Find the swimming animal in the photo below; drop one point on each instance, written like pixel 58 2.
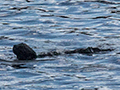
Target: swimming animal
pixel 24 52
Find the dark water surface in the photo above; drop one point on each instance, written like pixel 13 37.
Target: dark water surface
pixel 47 25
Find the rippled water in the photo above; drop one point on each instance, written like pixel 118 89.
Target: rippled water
pixel 47 25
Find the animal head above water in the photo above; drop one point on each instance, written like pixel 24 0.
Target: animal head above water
pixel 24 52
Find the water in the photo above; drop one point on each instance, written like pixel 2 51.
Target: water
pixel 47 25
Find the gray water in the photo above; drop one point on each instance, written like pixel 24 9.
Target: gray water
pixel 47 25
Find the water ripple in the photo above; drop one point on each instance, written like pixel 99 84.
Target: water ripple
pixel 47 25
